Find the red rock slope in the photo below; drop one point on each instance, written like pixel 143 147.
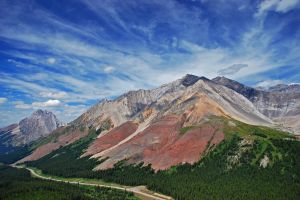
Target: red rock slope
pixel 65 136
pixel 163 145
pixel 112 138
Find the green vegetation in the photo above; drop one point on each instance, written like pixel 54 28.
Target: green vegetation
pixel 106 125
pixel 15 154
pixel 54 136
pixel 183 130
pixel 229 171
pixel 66 161
pixel 17 184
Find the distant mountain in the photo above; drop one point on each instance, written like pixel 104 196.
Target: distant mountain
pixel 280 103
pixel 40 124
pixel 285 88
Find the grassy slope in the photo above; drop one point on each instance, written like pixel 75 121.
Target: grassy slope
pixel 210 178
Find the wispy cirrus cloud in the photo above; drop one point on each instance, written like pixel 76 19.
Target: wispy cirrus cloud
pixel 269 83
pixel 277 5
pixel 2 100
pixel 49 51
pixel 232 69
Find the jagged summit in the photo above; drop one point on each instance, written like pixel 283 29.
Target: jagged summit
pixel 246 91
pixel 40 112
pixel 190 79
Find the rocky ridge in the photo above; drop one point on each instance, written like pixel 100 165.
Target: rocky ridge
pixel 280 103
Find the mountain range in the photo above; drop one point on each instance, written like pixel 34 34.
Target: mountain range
pixel 156 126
pixel 204 139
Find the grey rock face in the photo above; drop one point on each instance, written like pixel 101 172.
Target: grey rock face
pixel 280 103
pixel 40 123
pixel 248 92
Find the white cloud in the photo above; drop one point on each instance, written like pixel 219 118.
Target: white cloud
pixel 269 83
pixel 109 69
pixel 22 105
pixel 282 6
pixel 49 103
pixel 34 105
pixel 232 69
pixel 286 5
pixel 2 100
pixel 73 62
pixel 51 61
pixel 55 95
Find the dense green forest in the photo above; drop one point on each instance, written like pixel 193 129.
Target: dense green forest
pixel 10 154
pixel 17 184
pixel 15 154
pixel 216 176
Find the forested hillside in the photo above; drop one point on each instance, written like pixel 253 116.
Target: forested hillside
pixel 17 184
pixel 232 170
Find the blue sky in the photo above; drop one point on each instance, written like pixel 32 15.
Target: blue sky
pixel 66 55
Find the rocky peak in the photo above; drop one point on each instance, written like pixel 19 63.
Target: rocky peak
pixel 244 90
pixel 222 80
pixel 40 112
pixel 42 115
pixel 190 79
pixel 39 124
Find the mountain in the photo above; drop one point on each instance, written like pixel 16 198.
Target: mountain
pixel 38 124
pixel 215 136
pixel 280 103
pixel 150 126
pixel 135 104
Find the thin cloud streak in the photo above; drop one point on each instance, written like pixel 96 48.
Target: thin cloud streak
pixel 114 47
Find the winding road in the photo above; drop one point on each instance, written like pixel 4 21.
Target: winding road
pixel 140 191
